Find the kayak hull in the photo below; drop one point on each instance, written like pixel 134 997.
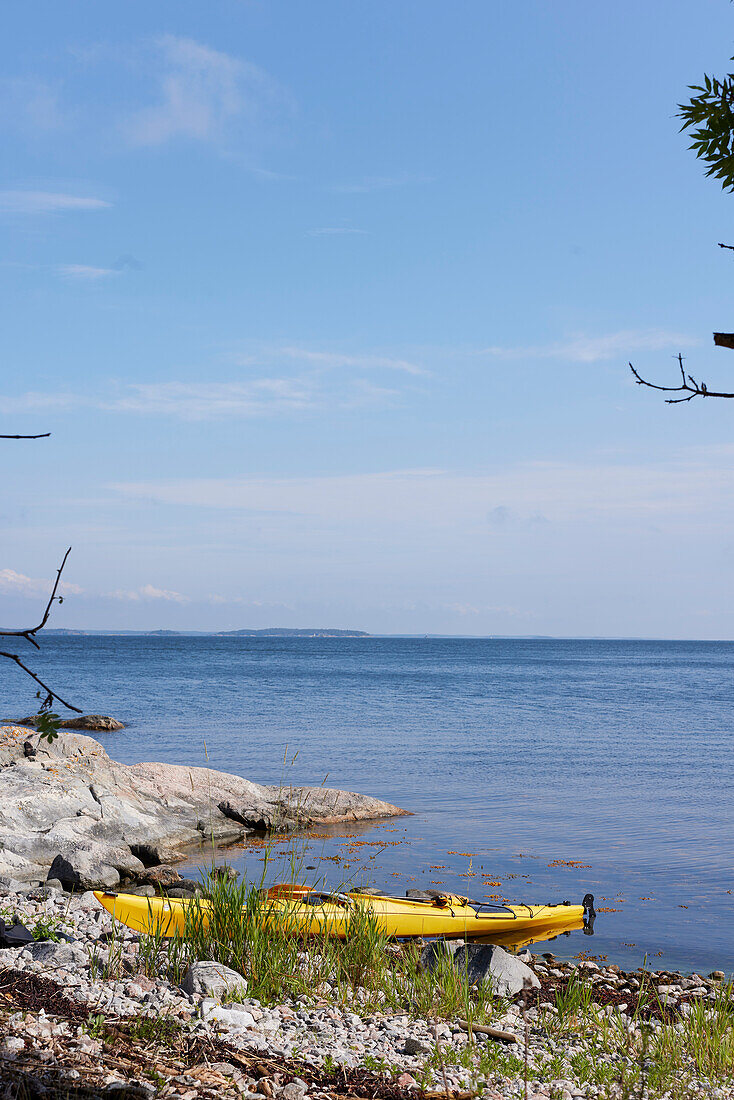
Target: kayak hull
pixel 396 917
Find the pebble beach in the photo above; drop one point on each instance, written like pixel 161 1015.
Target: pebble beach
pixel 95 973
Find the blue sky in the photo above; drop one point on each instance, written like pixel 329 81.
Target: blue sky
pixel 328 308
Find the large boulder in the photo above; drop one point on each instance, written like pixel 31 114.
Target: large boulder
pixel 482 962
pixel 84 722
pixel 93 722
pixel 83 871
pixel 70 812
pixel 485 962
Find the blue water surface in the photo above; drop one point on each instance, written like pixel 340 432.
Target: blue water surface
pixel 518 754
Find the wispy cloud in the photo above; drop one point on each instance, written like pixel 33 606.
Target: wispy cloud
pixel 148 592
pixel 339 359
pixel 594 349
pixel 186 400
pixel 47 202
pixel 202 91
pixel 691 485
pixel 207 400
pixel 20 585
pixel 310 380
pixel 84 271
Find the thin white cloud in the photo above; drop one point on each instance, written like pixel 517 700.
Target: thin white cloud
pixel 595 349
pixel 186 400
pixel 437 500
pixel 337 359
pixel 202 91
pixel 46 202
pixel 148 592
pixel 84 271
pixel 210 400
pixel 265 396
pixel 19 584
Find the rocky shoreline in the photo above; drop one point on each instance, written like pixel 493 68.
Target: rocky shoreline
pixel 71 813
pixel 306 1043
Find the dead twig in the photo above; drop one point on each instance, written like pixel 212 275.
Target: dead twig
pixel 689 385
pixel 29 632
pixel 43 435
pixel 492 1032
pixel 50 694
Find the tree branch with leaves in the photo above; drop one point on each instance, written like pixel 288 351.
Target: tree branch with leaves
pixel 709 118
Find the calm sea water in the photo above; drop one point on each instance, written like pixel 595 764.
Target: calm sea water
pixel 513 755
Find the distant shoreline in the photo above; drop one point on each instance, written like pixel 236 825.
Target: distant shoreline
pixel 278 632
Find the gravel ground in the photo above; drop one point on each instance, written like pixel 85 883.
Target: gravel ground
pixel 309 1032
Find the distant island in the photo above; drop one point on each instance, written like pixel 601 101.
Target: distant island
pixel 268 632
pixel 283 632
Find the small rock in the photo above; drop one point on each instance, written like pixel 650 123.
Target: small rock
pixel 717 975
pixel 213 979
pixel 52 954
pixel 406 1081
pixel 162 875
pixel 225 1068
pixel 191 884
pixel 416 1046
pixel 54 884
pixel 225 872
pixel 92 722
pixel 13 1044
pixel 294 1090
pixel 231 1017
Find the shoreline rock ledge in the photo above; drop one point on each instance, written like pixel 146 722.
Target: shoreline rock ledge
pixel 69 809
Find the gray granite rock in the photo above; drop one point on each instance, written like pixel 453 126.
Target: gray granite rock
pixel 484 962
pixel 69 812
pixel 213 979
pixel 53 954
pixel 100 722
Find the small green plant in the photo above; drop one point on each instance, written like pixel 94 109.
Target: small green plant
pixel 375 1065
pixel 329 1065
pixel 106 963
pixel 158 1029
pixel 96 1026
pixel 47 928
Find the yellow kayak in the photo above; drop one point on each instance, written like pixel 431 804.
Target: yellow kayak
pixel 299 910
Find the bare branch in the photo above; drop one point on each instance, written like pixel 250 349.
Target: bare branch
pixel 46 688
pixel 44 435
pixel 724 339
pixel 731 246
pixel 29 633
pixel 689 386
